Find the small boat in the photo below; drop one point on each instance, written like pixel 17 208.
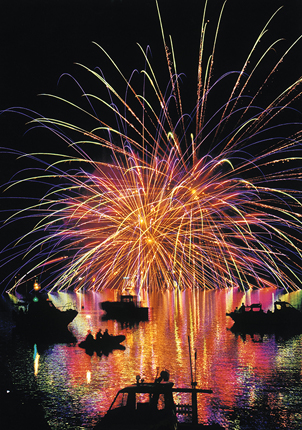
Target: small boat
pixel 38 319
pixel 284 318
pixel 151 406
pixel 126 309
pixel 103 344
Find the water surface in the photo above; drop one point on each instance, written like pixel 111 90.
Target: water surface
pixel 256 382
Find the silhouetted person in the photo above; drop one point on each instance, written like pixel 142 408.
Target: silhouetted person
pixel 99 335
pixel 89 338
pixel 106 334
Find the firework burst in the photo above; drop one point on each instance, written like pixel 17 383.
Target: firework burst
pixel 206 199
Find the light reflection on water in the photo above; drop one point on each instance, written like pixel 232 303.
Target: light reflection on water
pixel 256 382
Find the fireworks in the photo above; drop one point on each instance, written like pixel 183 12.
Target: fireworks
pixel 207 199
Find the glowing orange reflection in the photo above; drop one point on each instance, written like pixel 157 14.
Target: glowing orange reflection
pixel 233 367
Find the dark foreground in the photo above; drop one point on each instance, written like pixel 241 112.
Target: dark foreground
pixel 17 410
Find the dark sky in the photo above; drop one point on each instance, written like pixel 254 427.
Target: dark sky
pixel 40 40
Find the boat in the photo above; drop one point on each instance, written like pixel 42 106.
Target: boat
pixel 38 319
pixel 151 406
pixel 284 318
pixel 125 310
pixel 102 344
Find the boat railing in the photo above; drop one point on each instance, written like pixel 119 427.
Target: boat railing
pixel 184 409
pixel 189 409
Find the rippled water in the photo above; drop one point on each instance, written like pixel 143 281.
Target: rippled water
pixel 256 382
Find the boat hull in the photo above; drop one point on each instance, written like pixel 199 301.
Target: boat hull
pixel 42 322
pixel 103 345
pixel 125 310
pixel 285 318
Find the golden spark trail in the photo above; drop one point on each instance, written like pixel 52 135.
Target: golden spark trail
pixel 166 198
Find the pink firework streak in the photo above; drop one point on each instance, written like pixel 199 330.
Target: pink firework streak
pixel 205 199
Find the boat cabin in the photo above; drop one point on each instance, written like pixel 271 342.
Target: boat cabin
pixel 143 403
pixel 255 307
pixel 282 306
pixel 144 397
pixel 128 298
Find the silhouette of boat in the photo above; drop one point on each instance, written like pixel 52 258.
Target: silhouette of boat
pixel 38 319
pixel 151 406
pixel 102 345
pixel 126 309
pixel 284 318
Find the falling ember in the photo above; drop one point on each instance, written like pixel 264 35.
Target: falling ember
pixel 184 200
pixel 88 376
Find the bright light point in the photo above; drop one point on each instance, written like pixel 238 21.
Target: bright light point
pixel 36 285
pixel 36 360
pixel 88 376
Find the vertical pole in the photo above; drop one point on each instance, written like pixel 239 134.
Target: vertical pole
pixel 193 384
pixel 195 366
pixel 191 368
pixel 194 406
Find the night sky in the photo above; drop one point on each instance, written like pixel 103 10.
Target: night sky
pixel 41 40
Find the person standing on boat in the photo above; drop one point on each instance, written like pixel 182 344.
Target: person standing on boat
pixel 99 335
pixel 89 337
pixel 242 308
